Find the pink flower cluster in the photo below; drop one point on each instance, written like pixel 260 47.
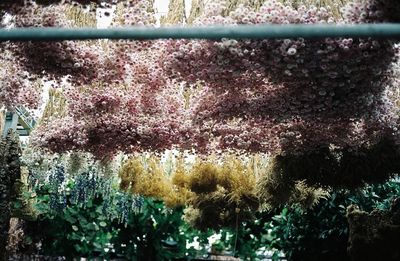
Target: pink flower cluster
pixel 115 118
pixel 283 95
pixel 118 99
pixel 290 94
pixel 82 62
pixel 24 65
pixel 16 86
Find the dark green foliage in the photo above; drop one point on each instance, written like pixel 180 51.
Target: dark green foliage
pixel 348 168
pixel 317 234
pixel 92 228
pixel 90 219
pixel 80 230
pixel 374 236
pixel 322 232
pixel 76 221
pixel 157 233
pixel 59 232
pixel 9 173
pixel 153 233
pixel 87 216
pixel 249 237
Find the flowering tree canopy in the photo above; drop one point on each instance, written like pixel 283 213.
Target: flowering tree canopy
pixel 284 95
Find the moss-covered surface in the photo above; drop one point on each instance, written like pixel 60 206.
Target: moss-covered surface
pixel 375 235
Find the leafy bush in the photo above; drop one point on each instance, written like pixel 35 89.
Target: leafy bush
pixel 85 231
pixel 73 222
pixel 73 228
pixel 322 232
pixel 71 225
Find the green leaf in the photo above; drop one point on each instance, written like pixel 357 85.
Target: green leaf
pixel 69 218
pixel 97 245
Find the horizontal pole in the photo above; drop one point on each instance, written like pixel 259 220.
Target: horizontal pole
pixel 266 31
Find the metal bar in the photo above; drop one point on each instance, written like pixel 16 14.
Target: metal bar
pixel 270 31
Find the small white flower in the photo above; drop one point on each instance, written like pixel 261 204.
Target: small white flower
pixel 291 51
